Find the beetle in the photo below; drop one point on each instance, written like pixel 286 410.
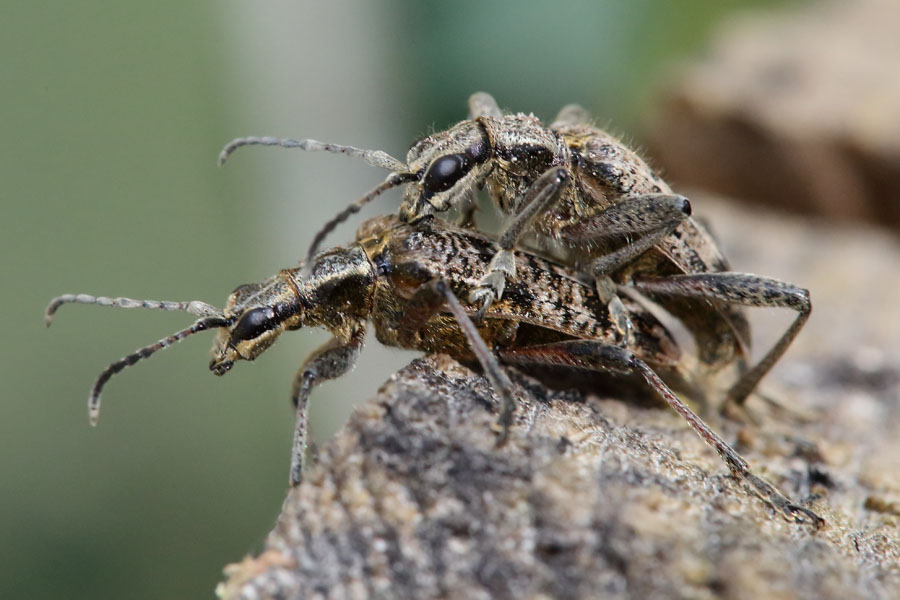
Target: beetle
pixel 407 280
pixel 576 192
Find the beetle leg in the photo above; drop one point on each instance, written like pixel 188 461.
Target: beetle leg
pixel 743 289
pixel 331 360
pixel 482 104
pixel 608 293
pixel 542 194
pixel 594 355
pixel 570 115
pixel 425 303
pixel 651 216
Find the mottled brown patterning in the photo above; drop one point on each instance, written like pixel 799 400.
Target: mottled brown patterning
pixel 573 190
pixel 407 280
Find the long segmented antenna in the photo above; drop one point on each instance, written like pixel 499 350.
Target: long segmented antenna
pixel 376 158
pixel 393 180
pixel 194 307
pixel 210 317
pixel 142 353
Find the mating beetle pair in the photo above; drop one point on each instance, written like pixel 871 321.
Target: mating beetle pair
pixel 406 280
pixel 578 193
pixel 572 190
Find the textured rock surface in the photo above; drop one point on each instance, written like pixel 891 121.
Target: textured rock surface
pixel 602 497
pixel 793 108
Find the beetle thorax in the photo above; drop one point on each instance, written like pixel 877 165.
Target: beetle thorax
pixel 523 149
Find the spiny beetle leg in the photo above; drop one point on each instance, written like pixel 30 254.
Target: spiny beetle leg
pixel 594 355
pixel 743 289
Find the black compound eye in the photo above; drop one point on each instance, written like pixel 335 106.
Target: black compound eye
pixel 252 324
pixel 444 172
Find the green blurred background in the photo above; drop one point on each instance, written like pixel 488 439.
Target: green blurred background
pixel 111 120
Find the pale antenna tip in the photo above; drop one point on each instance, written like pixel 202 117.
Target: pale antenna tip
pixel 93 410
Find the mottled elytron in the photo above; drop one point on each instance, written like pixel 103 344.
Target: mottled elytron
pixel 406 280
pixel 578 193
